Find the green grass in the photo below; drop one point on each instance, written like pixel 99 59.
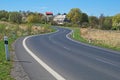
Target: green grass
pixel 5 66
pixel 76 35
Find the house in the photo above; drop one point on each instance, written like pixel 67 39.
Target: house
pixel 60 19
pixel 49 16
pixel 49 13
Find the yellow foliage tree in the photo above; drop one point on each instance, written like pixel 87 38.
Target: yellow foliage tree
pixel 116 21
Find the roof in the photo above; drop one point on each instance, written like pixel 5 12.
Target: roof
pixel 49 13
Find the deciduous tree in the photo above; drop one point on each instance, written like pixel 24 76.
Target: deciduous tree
pixel 4 15
pixel 101 20
pixel 15 17
pixel 84 18
pixel 107 24
pixel 93 21
pixel 116 21
pixel 34 18
pixel 74 15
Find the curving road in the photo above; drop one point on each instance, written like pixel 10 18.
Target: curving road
pixel 56 57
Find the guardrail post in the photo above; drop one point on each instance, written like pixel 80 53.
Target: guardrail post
pixel 6 48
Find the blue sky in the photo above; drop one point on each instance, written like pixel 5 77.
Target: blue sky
pixel 91 7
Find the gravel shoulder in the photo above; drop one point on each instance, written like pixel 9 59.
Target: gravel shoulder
pixel 17 71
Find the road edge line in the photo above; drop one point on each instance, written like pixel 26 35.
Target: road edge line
pixel 44 65
pixel 85 44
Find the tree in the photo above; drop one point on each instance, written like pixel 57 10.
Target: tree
pixel 15 17
pixel 84 18
pixel 58 13
pixel 101 20
pixel 34 18
pixel 93 21
pixel 74 15
pixel 64 14
pixel 116 22
pixel 107 24
pixel 4 15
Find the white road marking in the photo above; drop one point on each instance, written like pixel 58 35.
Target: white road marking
pixel 44 65
pixel 106 62
pixel 66 48
pixel 85 44
pixel 50 70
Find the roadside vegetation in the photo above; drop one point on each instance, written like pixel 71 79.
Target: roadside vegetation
pixel 101 38
pixel 5 66
pixel 76 35
pixel 103 31
pixel 14 31
pixel 106 37
pixel 77 18
pixel 15 25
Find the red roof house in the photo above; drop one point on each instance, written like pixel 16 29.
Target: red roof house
pixel 49 13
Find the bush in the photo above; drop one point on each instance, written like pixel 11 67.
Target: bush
pixel 116 28
pixel 67 24
pixel 15 17
pixel 85 25
pixel 75 25
pixel 3 19
pixel 53 23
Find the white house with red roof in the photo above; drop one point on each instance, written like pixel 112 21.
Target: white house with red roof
pixel 59 19
pixel 49 16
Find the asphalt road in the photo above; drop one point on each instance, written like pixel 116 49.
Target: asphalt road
pixel 67 58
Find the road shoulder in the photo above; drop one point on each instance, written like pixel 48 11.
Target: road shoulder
pixel 17 71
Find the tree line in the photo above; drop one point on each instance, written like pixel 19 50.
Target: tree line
pixel 75 18
pixel 78 18
pixel 22 17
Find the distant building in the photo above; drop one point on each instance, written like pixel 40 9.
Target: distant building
pixel 60 19
pixel 49 13
pixel 49 16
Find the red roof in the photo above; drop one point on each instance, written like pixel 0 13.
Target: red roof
pixel 49 13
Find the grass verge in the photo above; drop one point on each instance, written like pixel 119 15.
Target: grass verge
pixel 13 31
pixel 5 66
pixel 77 36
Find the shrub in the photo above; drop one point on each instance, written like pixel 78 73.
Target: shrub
pixel 3 19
